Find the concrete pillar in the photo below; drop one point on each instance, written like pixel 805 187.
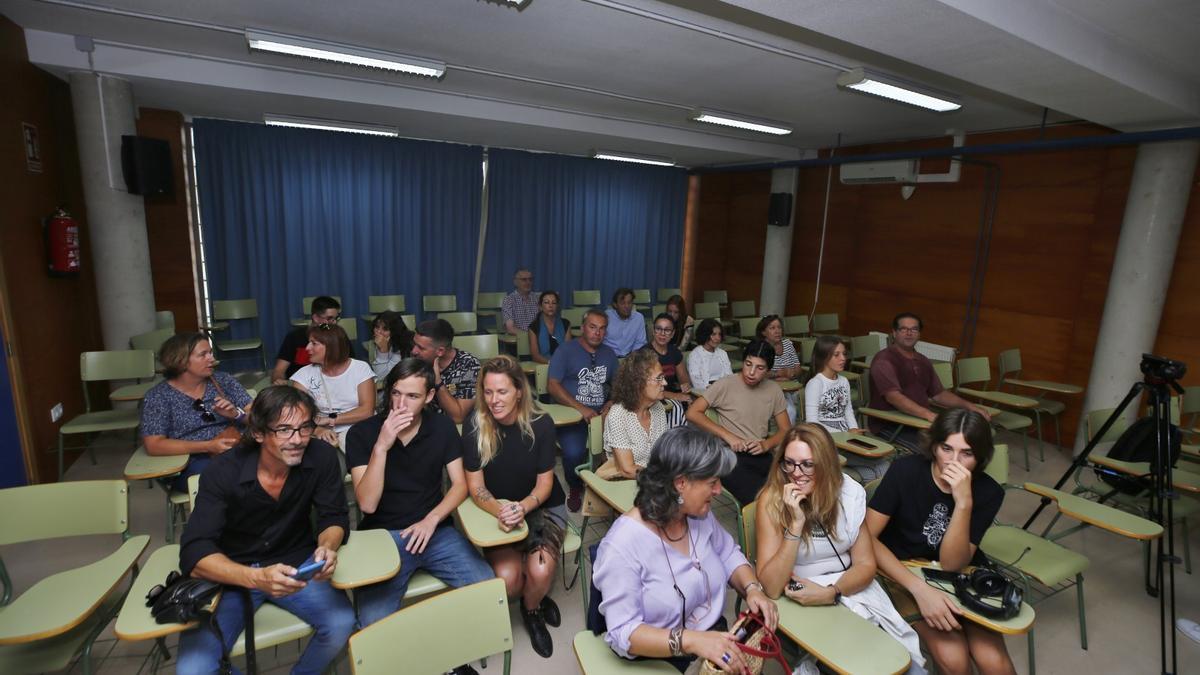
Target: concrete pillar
pixel 1137 287
pixel 777 257
pixel 120 250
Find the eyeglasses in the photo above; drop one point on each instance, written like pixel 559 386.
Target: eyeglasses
pixel 158 589
pixel 205 413
pixel 659 379
pixel 286 433
pixel 807 467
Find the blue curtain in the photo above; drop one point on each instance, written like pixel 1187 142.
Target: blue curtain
pixel 289 213
pixel 582 223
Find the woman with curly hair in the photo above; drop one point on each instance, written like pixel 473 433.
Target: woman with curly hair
pixel 813 543
pixel 509 456
pixel 637 417
pixel 663 567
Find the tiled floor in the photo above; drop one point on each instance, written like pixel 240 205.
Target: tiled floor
pixel 1122 619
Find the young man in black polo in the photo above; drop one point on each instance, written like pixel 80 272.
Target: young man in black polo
pixel 251 528
pixel 396 459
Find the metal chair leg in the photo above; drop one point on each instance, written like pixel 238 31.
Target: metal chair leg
pixel 1082 611
pixel 1032 661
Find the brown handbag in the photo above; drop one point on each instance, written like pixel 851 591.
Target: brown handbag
pixel 760 643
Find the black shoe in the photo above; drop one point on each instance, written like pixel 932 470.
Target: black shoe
pixel 539 635
pixel 575 499
pixel 550 612
pixel 465 669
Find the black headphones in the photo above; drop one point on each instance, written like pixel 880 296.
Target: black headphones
pixel 971 590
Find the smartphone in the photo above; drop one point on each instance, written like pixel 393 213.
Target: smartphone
pixel 308 570
pixel 861 444
pixel 794 585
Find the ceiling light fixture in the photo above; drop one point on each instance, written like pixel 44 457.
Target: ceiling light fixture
pixel 272 120
pixel 356 56
pixel 896 89
pixel 636 159
pixel 740 122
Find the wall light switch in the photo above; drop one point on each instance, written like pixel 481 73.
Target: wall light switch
pixel 56 412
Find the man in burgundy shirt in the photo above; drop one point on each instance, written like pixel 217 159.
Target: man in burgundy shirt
pixel 904 381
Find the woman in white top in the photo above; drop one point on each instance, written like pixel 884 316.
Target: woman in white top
pixel 344 388
pixel 827 402
pixel 812 541
pixel 636 418
pixel 708 363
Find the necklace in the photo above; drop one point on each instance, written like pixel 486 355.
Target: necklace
pixel 681 535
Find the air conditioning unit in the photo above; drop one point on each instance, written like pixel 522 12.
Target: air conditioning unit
pixel 897 171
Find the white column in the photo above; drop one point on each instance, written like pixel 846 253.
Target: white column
pixel 116 220
pixel 777 257
pixel 1137 287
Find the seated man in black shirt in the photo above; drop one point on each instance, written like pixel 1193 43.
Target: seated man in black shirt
pixel 396 459
pixel 292 355
pixel 251 529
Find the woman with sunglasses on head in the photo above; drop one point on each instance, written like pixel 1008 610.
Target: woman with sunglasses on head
pixel 197 410
pixel 937 506
pixel 343 387
pixel 509 455
pixel 548 330
pixel 670 359
pixel 391 343
pixel 812 542
pixel 663 567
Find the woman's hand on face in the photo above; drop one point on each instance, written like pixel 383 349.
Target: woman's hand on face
pixel 793 495
pixel 720 648
pixel 382 342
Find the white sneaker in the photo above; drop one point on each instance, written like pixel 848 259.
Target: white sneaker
pixel 1189 628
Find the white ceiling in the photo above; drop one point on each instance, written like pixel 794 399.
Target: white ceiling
pixel 575 75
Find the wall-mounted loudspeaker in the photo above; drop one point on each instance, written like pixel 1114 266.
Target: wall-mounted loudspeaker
pixel 146 164
pixel 780 213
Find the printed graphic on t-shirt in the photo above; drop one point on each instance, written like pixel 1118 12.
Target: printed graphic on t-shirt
pixel 936 524
pixel 591 386
pixel 832 404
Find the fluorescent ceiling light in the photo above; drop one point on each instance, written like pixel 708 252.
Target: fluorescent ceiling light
pixel 357 56
pixel 727 120
pixel 328 125
pixel 636 159
pixel 896 89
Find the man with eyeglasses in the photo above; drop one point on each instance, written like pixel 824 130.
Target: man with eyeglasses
pixel 580 376
pixel 519 308
pixel 626 326
pixel 265 508
pixel 745 403
pixel 396 459
pixel 293 354
pixel 904 380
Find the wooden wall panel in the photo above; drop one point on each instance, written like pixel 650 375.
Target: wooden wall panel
pixel 54 319
pixel 1054 237
pixel 168 227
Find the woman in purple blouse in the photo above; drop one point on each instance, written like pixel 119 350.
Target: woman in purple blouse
pixel 663 566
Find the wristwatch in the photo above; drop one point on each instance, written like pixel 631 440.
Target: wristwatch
pixel 837 593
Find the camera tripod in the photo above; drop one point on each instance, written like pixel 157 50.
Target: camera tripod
pixel 1161 376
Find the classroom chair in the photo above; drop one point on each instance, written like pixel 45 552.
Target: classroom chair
pixel 240 310
pixel 131 364
pixel 439 303
pixel 482 347
pixel 585 298
pixel 464 323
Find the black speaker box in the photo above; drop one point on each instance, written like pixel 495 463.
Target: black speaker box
pixel 780 214
pixel 146 164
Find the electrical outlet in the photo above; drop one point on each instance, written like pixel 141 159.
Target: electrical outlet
pixel 56 412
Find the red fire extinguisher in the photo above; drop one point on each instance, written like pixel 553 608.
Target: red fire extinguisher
pixel 62 244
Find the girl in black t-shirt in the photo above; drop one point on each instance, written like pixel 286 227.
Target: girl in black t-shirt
pixel 938 507
pixel 509 455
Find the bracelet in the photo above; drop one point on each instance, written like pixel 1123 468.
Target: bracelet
pixel 675 641
pixel 746 590
pixel 787 534
pixel 536 502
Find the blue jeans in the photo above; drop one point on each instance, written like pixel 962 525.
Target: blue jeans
pixel 318 604
pixel 573 441
pixel 447 555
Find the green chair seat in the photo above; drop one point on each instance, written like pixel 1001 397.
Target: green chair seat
pixel 102 420
pixel 56 653
pixel 58 603
pixel 1011 421
pixel 135 622
pixel 238 345
pixel 595 658
pixel 1041 559
pixel 1051 406
pixel 133 392
pixel 272 626
pixel 424 583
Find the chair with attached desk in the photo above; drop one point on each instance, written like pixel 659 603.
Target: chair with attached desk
pixel 665 294
pixel 796 326
pixel 153 341
pixel 378 304
pixel 488 304
pixel 978 370
pixel 588 298
pixel 403 637
pixel 1009 368
pixel 706 310
pixel 719 297
pixel 61 615
pixel 240 310
pixel 131 364
pixel 306 309
pixel 642 298
pixel 740 309
pixel 439 303
pixel 483 347
pixel 164 318
pixel 463 323
pixel 824 323
pixel 574 315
